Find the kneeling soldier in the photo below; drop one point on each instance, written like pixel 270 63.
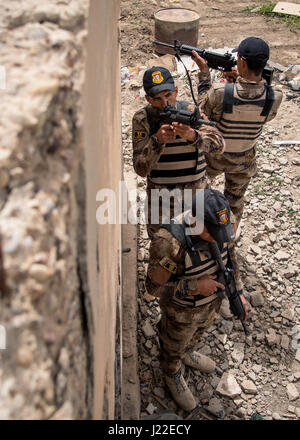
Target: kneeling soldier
pixel 184 275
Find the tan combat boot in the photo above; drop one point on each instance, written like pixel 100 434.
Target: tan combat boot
pixel 200 362
pixel 180 391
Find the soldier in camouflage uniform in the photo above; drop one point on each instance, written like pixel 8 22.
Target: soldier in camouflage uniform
pixel 187 286
pixel 171 156
pixel 241 107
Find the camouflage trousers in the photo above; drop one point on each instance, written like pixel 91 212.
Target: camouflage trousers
pixel 180 330
pixel 168 207
pixel 238 168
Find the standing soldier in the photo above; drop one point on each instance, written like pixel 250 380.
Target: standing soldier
pixel 171 156
pixel 184 274
pixel 240 107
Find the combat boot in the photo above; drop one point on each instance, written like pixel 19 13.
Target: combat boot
pixel 200 362
pixel 180 391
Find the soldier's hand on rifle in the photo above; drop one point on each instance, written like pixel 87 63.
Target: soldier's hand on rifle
pixel 207 285
pixel 231 76
pixel 165 134
pixel 184 131
pixel 201 62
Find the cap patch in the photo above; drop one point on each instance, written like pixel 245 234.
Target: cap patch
pixel 157 77
pixel 223 217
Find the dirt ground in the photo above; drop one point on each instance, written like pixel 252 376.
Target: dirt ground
pixel 221 24
pixel 217 21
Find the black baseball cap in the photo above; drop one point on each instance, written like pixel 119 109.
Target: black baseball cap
pixel 156 80
pixel 216 215
pixel 253 48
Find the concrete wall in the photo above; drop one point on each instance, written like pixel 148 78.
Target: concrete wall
pixel 60 280
pixel 102 120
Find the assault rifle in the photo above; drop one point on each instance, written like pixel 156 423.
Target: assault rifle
pixel 215 60
pixel 227 279
pixel 170 114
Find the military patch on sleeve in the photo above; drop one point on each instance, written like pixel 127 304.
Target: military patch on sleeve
pixel 169 265
pixel 138 134
pixel 223 217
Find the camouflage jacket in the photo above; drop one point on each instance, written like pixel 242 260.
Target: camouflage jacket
pixel 147 151
pixel 166 251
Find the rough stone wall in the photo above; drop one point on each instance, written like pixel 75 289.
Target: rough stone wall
pixel 45 371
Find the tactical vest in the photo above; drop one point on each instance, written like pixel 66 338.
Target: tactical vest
pixel 242 118
pixel 181 162
pixel 198 262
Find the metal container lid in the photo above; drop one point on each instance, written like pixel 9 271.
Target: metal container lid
pixel 176 15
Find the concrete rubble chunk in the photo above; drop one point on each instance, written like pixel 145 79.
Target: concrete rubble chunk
pixel 283 160
pixel 289 272
pixel 148 330
pixel 292 392
pixel 296 160
pixel 228 386
pixel 257 299
pixel 151 408
pixel 249 387
pixel 238 353
pixel 288 314
pixel 221 337
pixel 276 416
pixel 269 226
pixel 282 256
pixel 267 168
pixel 285 342
pixel 216 408
pixel 272 339
pixel 251 260
pixel 255 249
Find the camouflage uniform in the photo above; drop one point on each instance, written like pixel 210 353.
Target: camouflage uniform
pixel 184 317
pixel 238 162
pixel 157 161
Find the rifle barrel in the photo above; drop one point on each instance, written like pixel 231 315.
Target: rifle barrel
pixel 163 44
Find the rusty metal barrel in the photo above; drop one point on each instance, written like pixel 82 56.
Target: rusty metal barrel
pixel 175 24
